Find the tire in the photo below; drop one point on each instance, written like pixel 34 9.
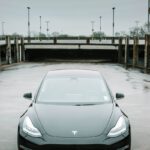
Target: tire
pixel 18 141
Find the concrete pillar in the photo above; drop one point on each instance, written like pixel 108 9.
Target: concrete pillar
pixel 79 46
pixel 55 40
pixel 146 53
pixel 113 40
pixel 126 54
pixel 8 50
pixel 120 50
pixel 0 57
pixel 22 49
pixel 135 51
pixel 88 41
pixel 17 56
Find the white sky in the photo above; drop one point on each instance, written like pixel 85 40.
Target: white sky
pixel 72 16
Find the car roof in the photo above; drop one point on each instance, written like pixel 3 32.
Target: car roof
pixel 74 72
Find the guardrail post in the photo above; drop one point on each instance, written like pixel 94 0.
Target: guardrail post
pixel 135 51
pixel 8 50
pixel 146 53
pixel 22 49
pixel 120 50
pixel 17 56
pixel 126 52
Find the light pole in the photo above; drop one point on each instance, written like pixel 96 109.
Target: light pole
pixel 47 23
pixel 28 23
pixel 100 23
pixel 40 27
pixel 113 21
pixel 100 26
pixel 3 33
pixel 137 27
pixel 92 22
pixel 148 24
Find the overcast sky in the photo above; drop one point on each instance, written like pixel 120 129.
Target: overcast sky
pixel 72 16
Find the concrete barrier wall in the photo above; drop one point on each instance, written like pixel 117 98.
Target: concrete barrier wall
pixel 133 52
pixel 12 51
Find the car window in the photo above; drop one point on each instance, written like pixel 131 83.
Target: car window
pixel 73 89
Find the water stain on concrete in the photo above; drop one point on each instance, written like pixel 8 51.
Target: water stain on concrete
pixel 145 80
pixel 146 88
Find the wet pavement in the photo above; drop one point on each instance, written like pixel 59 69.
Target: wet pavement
pixel 25 77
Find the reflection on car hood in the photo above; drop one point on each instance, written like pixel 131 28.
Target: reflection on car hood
pixel 74 121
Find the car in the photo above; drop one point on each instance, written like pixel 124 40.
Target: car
pixel 74 109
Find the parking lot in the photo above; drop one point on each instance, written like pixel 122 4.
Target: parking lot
pixel 25 77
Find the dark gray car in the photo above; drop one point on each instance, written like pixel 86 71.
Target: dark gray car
pixel 74 109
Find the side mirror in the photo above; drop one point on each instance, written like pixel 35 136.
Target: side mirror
pixel 119 95
pixel 28 96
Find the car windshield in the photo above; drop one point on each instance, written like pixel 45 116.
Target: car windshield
pixel 77 90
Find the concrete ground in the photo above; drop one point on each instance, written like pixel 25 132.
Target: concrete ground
pixel 25 77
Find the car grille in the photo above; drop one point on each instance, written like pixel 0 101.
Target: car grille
pixel 122 145
pixel 75 147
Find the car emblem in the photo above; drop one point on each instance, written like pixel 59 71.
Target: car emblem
pixel 74 132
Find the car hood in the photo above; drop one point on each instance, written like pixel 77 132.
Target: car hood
pixel 74 121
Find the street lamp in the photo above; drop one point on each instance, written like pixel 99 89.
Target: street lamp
pixel 28 23
pixel 40 27
pixel 113 21
pixel 148 26
pixel 100 23
pixel 137 27
pixel 47 22
pixel 92 22
pixel 100 26
pixel 3 33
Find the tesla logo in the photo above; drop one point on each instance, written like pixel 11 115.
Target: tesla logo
pixel 74 132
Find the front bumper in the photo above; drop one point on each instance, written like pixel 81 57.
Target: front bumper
pixel 25 144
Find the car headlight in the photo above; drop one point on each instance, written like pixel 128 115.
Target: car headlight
pixel 119 128
pixel 30 129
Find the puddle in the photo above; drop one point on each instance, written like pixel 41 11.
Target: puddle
pixel 145 80
pixel 146 88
